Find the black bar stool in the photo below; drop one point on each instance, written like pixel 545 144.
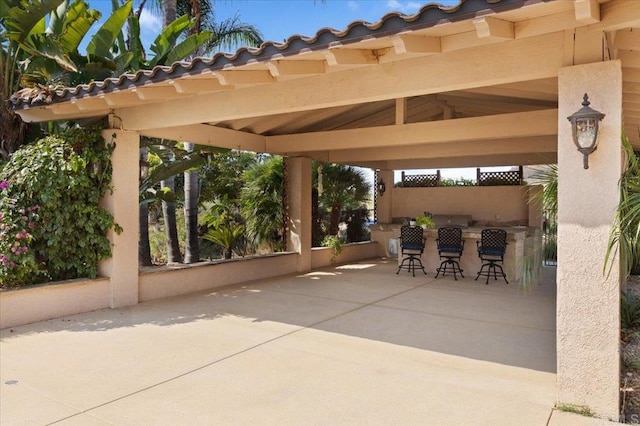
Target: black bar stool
pixel 491 249
pixel 412 247
pixel 450 247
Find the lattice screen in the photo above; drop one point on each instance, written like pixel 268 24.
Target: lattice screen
pixel 513 177
pixel 420 181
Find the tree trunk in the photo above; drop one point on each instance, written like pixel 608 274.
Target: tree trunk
pixel 334 219
pixel 171 224
pixel 191 193
pixel 12 130
pixel 144 249
pixel 168 12
pixel 228 252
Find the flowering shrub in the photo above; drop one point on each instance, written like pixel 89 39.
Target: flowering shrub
pixel 18 264
pixel 53 227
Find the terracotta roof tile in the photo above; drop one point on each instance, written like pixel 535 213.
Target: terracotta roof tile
pixel 392 23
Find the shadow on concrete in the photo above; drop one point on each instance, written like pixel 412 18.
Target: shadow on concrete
pixel 496 323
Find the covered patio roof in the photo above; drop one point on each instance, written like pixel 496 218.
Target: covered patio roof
pixel 471 85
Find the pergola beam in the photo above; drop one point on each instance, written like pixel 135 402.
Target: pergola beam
pixel 204 134
pixel 544 144
pixel 518 60
pixel 514 125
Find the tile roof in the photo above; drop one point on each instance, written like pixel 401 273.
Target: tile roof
pixel 430 15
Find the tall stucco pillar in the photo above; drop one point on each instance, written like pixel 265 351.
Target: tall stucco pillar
pixel 122 268
pixel 384 201
pixel 299 209
pixel 588 301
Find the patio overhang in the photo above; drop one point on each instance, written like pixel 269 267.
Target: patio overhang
pixel 473 85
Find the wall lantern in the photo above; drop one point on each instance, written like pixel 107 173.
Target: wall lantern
pixel 381 187
pixel 584 127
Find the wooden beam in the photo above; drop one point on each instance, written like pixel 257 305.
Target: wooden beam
pixel 587 11
pixel 470 148
pixel 228 78
pixel 409 43
pixel 490 27
pixel 153 92
pixel 204 134
pixel 627 40
pixel 618 15
pixel 518 60
pixel 631 74
pixel 198 85
pixel 88 104
pixel 286 68
pixel 401 111
pixel 629 58
pixel 120 98
pixel 515 125
pixel 336 57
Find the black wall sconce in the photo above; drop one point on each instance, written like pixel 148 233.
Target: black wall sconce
pixel 381 187
pixel 584 127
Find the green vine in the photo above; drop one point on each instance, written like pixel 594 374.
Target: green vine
pixel 64 178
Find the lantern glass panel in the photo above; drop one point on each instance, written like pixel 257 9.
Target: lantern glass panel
pixel 586 129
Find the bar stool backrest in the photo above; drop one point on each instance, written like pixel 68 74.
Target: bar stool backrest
pixel 493 242
pixel 450 239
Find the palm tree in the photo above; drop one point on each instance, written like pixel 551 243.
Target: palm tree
pixel 624 237
pixel 226 33
pixel 261 201
pixel 343 187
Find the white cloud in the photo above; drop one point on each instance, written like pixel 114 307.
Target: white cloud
pixel 353 5
pixel 407 7
pixel 150 22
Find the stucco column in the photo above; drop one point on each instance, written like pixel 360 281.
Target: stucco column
pixel 384 201
pixel 588 302
pixel 299 209
pixel 122 268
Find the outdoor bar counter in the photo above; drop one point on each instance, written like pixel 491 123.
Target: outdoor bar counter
pixel 520 239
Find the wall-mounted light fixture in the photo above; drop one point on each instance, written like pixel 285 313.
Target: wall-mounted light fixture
pixel 584 128
pixel 381 187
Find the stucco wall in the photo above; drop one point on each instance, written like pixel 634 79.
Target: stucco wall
pixel 184 279
pixel 321 256
pixel 588 320
pixel 27 305
pixel 483 203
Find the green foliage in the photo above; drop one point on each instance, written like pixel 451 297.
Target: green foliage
pixel 261 201
pixel 629 312
pixel 17 260
pixel 356 220
pixel 624 237
pixel 425 221
pixel 582 410
pixel 457 182
pixel 223 229
pixel 66 178
pixel 335 244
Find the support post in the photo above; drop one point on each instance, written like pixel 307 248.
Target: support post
pixel 298 187
pixel 385 201
pixel 588 301
pixel 122 267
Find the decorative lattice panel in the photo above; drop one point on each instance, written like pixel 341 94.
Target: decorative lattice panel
pixel 420 181
pixel 500 178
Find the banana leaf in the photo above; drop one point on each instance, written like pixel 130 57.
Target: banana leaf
pixel 103 40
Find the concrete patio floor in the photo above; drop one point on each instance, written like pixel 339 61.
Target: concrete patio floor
pixel 352 344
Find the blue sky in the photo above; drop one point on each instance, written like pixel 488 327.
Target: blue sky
pixel 279 19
